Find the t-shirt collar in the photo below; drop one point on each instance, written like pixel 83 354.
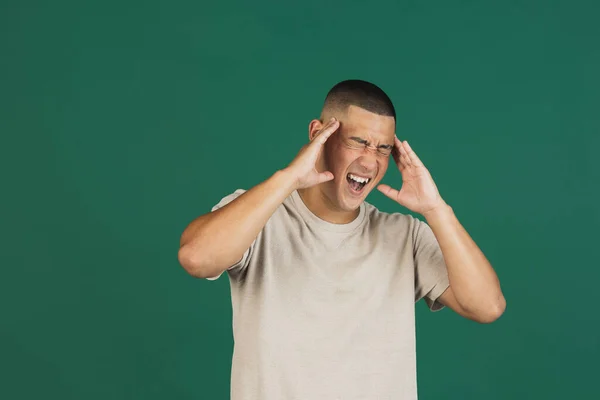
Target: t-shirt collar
pixel 310 217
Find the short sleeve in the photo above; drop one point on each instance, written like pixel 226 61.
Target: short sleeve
pixel 431 274
pixel 243 262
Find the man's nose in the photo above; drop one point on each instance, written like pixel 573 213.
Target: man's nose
pixel 368 162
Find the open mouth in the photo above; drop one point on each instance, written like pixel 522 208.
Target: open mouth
pixel 357 183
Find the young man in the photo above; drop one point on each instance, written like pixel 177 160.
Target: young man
pixel 324 284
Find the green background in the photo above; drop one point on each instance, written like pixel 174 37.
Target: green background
pixel 123 121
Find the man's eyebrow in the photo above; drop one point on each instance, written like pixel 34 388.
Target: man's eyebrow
pixel 359 139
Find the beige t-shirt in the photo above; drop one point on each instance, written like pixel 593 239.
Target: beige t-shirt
pixel 325 311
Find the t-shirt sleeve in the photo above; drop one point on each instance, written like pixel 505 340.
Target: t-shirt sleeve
pixel 431 274
pixel 243 262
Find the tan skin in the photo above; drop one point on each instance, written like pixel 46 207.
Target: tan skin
pixel 318 172
pixel 474 291
pixel 345 152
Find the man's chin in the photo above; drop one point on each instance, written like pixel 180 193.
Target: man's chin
pixel 350 200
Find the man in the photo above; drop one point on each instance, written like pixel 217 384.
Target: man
pixel 324 284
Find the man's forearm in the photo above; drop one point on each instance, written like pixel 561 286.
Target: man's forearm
pixel 215 241
pixel 474 282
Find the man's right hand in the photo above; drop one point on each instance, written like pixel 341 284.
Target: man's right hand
pixel 215 241
pixel 302 169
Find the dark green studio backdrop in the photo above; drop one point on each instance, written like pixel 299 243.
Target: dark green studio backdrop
pixel 122 121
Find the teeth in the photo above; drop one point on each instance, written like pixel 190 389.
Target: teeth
pixel 359 179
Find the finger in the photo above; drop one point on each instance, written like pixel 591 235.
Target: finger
pixel 405 160
pixel 398 145
pixel 400 154
pixel 388 191
pixel 324 177
pixel 400 160
pixel 321 130
pixel 327 131
pixel 411 155
pixel 325 125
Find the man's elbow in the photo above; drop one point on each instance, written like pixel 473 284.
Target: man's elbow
pixel 492 312
pixel 200 263
pixel 191 262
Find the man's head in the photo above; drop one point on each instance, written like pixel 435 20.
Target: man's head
pixel 359 152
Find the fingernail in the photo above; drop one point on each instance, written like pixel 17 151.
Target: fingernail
pixel 332 119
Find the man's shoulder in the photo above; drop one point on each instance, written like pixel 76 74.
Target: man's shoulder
pixel 284 208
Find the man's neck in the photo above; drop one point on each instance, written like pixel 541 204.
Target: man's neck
pixel 316 201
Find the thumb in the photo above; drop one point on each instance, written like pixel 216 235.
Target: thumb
pixel 324 177
pixel 388 191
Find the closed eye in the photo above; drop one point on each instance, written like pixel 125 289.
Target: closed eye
pixel 359 140
pixel 384 149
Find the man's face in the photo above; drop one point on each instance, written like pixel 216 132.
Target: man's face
pixel 357 155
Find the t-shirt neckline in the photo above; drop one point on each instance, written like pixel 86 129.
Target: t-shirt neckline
pixel 312 218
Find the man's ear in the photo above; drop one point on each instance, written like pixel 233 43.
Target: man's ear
pixel 313 128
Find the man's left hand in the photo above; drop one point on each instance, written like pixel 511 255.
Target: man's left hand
pixel 418 192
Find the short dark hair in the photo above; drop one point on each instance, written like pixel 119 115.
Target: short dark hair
pixel 362 94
